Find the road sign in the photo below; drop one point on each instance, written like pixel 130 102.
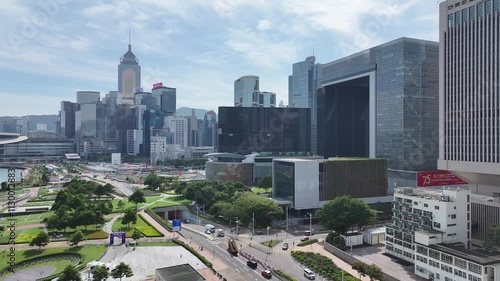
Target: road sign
pixel 177 225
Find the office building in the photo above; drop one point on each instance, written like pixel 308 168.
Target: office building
pixel 134 141
pixel 303 85
pixel 382 103
pixel 165 99
pixel 112 111
pixel 309 183
pixel 158 146
pixel 267 99
pixel 209 136
pixel 443 212
pixel 67 119
pixel 469 95
pixel 198 152
pixel 87 97
pixel 246 91
pixel 178 128
pixel 36 146
pixel 129 76
pixel 264 129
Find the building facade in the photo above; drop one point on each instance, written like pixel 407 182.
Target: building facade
pixel 166 99
pixel 443 213
pixel 178 128
pixel 67 118
pixel 246 91
pixel 382 103
pixel 469 94
pixel 198 152
pixel 158 149
pixel 129 76
pixel 259 129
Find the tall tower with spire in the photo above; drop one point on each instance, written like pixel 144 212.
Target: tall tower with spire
pixel 129 75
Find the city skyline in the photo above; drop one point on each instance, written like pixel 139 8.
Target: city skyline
pixel 58 47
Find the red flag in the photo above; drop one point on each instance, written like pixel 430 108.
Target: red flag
pixel 157 85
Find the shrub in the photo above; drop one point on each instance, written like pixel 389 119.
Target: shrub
pixel 25 238
pixel 160 234
pixel 148 231
pixel 308 242
pixel 284 275
pixel 159 219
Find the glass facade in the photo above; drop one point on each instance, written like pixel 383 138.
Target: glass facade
pixel 406 98
pixel 264 129
pixel 284 180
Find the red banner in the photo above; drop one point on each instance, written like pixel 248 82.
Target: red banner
pixel 437 178
pixel 157 85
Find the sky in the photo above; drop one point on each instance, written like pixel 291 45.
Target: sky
pixel 53 48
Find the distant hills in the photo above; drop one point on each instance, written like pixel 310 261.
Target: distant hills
pixel 186 111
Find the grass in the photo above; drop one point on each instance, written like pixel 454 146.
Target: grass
pixel 170 201
pixel 28 219
pixel 22 236
pixel 91 231
pixel 39 203
pixel 270 243
pixel 89 252
pixel 141 224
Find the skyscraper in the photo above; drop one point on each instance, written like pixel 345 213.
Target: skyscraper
pixel 302 91
pixel 129 76
pixel 246 91
pixel 67 118
pixel 469 96
pixel 166 99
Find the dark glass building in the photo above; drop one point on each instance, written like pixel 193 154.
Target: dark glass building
pixel 264 129
pixel 382 103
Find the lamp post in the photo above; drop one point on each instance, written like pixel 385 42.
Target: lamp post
pixel 286 218
pixel 253 224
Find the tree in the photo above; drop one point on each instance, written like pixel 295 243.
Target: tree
pixel 266 182
pixel 41 240
pixel 101 190
pixel 76 238
pixel 70 274
pixel 360 267
pixel 492 241
pixel 136 235
pixel 153 181
pixel 120 204
pixel 345 212
pixel 137 197
pixel 374 272
pixel 100 273
pixel 129 217
pixel 45 179
pixel 122 270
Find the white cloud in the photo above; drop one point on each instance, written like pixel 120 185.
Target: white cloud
pixel 264 25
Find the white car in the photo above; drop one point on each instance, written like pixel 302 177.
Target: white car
pixel 309 274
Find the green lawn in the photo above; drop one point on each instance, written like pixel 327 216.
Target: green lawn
pixel 154 244
pixel 170 201
pixel 158 202
pixel 30 219
pixel 39 203
pixel 91 228
pixel 89 252
pixel 118 226
pixel 22 236
pixel 270 243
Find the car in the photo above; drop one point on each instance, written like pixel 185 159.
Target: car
pixel 285 246
pixel 267 274
pixel 207 231
pixel 305 238
pixel 309 274
pixel 252 264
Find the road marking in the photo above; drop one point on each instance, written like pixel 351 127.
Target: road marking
pixel 237 270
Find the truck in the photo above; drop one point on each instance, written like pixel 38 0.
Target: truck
pixel 231 247
pixel 219 232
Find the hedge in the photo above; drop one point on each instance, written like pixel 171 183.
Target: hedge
pixel 308 242
pixel 158 233
pixel 284 275
pixel 98 235
pixel 322 265
pixel 192 251
pixel 25 238
pixel 158 219
pixel 148 231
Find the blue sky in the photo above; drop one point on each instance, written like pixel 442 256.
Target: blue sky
pixel 53 48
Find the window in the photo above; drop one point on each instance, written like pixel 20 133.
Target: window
pixel 487 11
pixel 460 263
pixel 454 216
pixel 434 254
pixel 472 13
pixel 433 263
pixel 436 207
pixel 446 258
pixel 450 20
pixel 476 268
pixel 465 16
pixel 480 11
pixel 457 18
pixel 496 5
pixel 426 205
pixel 421 250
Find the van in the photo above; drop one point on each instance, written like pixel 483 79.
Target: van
pixel 210 228
pixel 309 233
pixel 252 264
pixel 309 274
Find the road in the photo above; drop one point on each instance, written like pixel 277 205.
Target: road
pixel 124 188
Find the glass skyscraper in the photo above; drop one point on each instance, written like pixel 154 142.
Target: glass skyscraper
pixel 383 103
pixel 129 76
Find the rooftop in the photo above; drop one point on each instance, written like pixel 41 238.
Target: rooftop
pixel 477 255
pixel 183 272
pixel 434 193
